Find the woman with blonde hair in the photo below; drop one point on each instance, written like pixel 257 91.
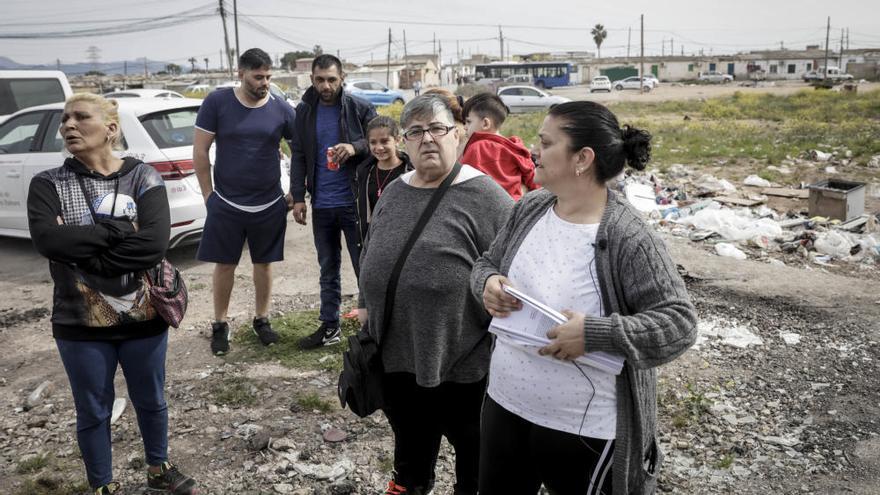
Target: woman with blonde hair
pixel 102 221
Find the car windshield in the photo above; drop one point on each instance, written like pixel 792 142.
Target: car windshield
pixel 16 94
pixel 171 128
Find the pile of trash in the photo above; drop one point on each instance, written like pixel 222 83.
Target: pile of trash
pixel 737 224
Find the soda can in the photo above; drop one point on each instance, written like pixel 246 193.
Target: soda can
pixel 331 163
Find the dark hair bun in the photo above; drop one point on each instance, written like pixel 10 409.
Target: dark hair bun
pixel 636 147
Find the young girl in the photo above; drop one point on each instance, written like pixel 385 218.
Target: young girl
pixel 384 164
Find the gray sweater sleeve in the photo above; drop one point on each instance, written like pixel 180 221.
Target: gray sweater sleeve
pixel 661 323
pixel 490 262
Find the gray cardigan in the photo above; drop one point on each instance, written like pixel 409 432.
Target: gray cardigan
pixel 438 330
pixel 649 320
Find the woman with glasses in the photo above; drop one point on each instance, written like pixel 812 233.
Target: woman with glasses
pixel 435 344
pixel 552 417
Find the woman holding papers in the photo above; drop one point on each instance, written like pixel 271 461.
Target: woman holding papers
pixel 434 344
pixel 559 413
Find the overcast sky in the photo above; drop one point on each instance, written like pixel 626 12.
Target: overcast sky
pixel 279 26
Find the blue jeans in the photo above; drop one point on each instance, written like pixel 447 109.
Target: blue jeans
pixel 91 367
pixel 328 226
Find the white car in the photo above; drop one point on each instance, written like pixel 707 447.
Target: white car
pixel 633 83
pixel 28 88
pixel 716 77
pixel 521 99
pixel 143 93
pixel 600 83
pixel 157 131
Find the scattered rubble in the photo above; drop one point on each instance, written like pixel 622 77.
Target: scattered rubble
pixel 736 221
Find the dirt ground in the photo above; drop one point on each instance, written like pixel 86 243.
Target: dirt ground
pixel 786 415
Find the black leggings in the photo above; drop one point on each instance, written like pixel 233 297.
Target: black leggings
pixel 517 456
pixel 421 416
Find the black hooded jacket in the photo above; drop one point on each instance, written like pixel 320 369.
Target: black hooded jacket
pixel 360 185
pixel 98 266
pixel 355 114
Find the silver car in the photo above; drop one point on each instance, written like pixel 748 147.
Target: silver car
pixel 520 99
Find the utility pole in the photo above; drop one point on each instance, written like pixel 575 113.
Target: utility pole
pixel 629 32
pixel 406 61
pixel 663 47
pixel 221 60
pixel 847 38
pixel 58 63
pixel 225 36
pixel 671 48
pixel 146 74
pixel 235 21
pixel 501 40
pixel 827 39
pixel 642 56
pixel 840 54
pixel 124 73
pixel 388 62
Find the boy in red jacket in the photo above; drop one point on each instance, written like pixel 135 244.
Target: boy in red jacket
pixel 504 159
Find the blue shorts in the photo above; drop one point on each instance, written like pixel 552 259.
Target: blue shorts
pixel 226 229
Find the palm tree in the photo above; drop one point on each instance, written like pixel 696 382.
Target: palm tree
pixel 192 61
pixel 599 35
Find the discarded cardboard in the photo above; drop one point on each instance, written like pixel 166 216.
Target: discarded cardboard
pixel 786 192
pixel 730 200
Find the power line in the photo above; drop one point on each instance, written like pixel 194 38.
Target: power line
pixel 184 17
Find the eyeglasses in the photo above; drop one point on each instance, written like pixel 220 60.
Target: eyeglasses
pixel 436 130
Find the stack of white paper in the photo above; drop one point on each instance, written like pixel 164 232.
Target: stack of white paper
pixel 529 326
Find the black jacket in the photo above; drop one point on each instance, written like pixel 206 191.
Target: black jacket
pixel 355 114
pixel 97 265
pixel 360 186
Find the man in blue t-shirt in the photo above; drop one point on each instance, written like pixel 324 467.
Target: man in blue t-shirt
pixel 328 122
pixel 245 201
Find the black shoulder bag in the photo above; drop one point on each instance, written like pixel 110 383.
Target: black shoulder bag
pixel 360 383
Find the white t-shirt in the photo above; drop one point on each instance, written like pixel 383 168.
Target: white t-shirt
pixel 556 265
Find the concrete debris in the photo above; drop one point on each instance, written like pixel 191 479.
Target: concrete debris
pixel 731 333
pixel 118 409
pixel 42 391
pixel 729 251
pixel 754 180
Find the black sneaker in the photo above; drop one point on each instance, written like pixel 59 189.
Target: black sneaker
pixel 112 488
pixel 325 335
pixel 171 481
pixel 219 338
pixel 263 331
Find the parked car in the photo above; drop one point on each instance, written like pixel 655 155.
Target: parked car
pixel 715 77
pixel 143 93
pixel 600 83
pixel 521 99
pixel 157 131
pixel 27 88
pixel 517 79
pixel 632 82
pixel 376 93
pixel 834 74
pixel 812 75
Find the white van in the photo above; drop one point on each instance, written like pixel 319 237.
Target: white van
pixel 28 88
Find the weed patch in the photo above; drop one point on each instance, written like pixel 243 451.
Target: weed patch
pixel 32 464
pixel 234 391
pixel 46 485
pixel 291 327
pixel 313 402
